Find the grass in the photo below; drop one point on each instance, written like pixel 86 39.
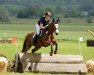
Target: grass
pixel 68 41
pixel 34 74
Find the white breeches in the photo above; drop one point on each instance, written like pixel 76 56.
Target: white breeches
pixel 37 29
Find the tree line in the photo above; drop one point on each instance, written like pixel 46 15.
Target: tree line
pixel 36 8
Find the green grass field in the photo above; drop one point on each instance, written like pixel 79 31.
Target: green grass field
pixel 68 40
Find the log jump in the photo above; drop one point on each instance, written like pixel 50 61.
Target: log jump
pixel 50 64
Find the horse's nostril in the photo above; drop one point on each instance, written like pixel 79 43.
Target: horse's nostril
pixel 56 33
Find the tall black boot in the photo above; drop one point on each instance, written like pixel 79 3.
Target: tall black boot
pixel 36 38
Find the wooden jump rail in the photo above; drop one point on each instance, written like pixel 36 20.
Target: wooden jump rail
pixel 91 32
pixel 90 43
pixel 5 41
pixel 50 64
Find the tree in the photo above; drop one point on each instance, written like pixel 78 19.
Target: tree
pixel 35 8
pixel 4 15
pixel 30 12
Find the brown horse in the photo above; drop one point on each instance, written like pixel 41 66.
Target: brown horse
pixel 46 39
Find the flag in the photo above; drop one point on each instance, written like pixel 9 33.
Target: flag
pixel 14 40
pixel 80 39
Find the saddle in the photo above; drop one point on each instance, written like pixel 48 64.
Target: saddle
pixel 38 36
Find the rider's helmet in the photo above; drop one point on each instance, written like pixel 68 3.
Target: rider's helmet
pixel 47 14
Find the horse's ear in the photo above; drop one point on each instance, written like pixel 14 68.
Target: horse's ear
pixel 53 19
pixel 58 20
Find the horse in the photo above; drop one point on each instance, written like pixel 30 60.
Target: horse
pixel 47 38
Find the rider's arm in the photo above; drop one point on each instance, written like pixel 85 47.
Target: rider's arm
pixel 41 26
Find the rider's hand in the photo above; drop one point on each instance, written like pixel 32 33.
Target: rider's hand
pixel 42 28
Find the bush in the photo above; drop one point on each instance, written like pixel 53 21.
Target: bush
pixel 89 19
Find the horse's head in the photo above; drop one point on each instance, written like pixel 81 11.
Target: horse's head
pixel 54 26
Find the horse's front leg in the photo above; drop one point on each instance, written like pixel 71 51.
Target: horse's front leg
pixel 56 47
pixel 52 49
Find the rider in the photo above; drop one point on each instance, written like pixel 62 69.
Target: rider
pixel 41 24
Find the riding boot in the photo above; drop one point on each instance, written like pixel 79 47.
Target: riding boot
pixel 35 38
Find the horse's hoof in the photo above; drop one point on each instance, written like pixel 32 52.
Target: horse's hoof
pixel 55 52
pixel 51 54
pixel 29 68
pixel 32 51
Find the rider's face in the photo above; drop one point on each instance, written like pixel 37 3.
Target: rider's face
pixel 47 17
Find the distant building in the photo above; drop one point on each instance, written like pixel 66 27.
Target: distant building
pixel 85 13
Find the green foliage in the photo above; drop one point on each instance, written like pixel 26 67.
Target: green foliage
pixel 30 12
pixel 36 8
pixel 89 19
pixel 4 15
pixel 14 9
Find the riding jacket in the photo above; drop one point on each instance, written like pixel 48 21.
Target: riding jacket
pixel 43 21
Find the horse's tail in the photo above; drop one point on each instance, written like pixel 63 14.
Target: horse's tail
pixel 27 44
pixel 24 46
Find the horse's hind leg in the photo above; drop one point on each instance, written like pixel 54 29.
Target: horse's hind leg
pixel 35 49
pixel 26 45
